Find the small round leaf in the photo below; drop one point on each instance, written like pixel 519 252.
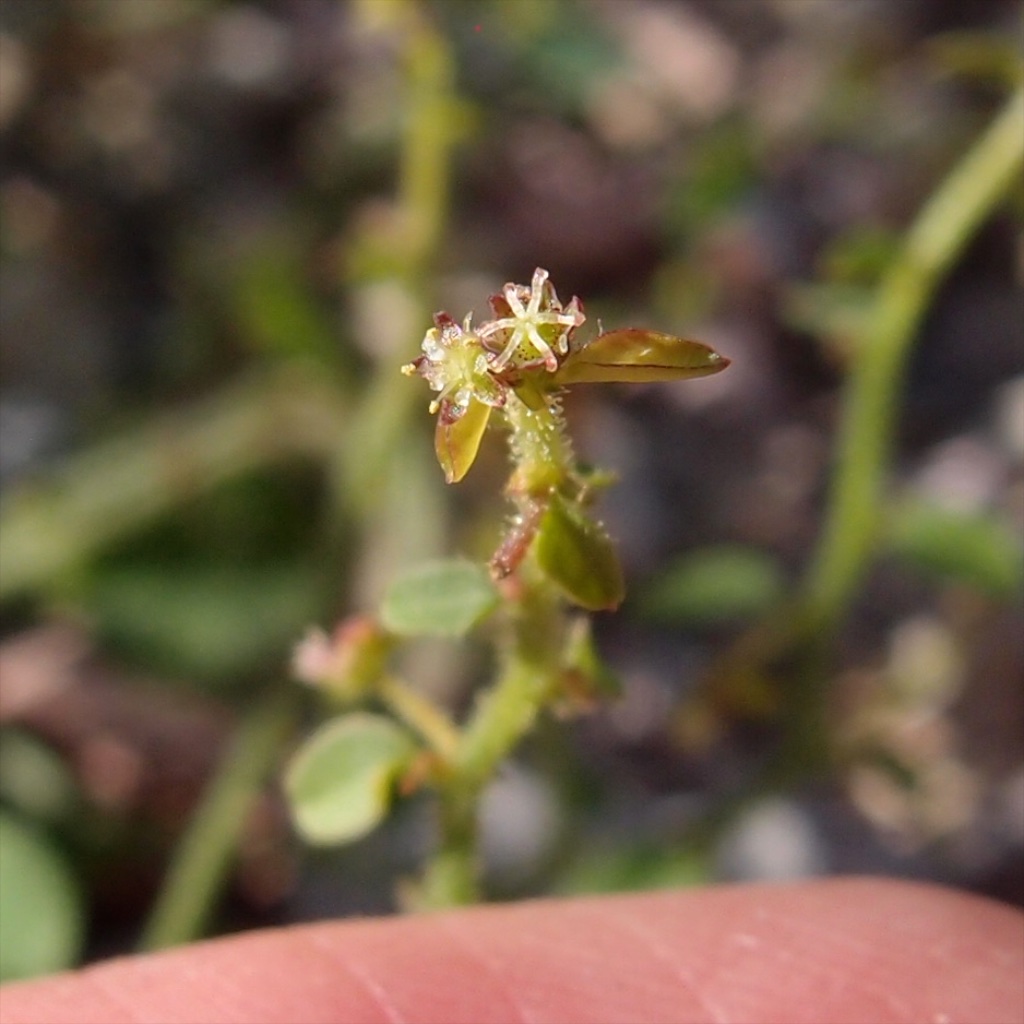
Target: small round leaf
pixel 340 782
pixel 440 598
pixel 41 916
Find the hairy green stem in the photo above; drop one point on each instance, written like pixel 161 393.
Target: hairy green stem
pixel 540 447
pixel 504 714
pixel 502 717
pixel 531 651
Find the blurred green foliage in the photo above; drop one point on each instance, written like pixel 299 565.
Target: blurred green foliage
pixel 41 906
pixel 714 585
pixel 223 226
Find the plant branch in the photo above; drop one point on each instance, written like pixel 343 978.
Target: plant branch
pixel 947 222
pixel 204 855
pixel 51 526
pixel 417 711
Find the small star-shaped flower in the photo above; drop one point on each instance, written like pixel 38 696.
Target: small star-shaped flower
pixel 531 326
pixel 455 363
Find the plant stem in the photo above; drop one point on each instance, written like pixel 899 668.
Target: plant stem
pixel 796 635
pixel 421 714
pixel 938 235
pixel 203 857
pixel 49 527
pixel 380 465
pixel 539 447
pixel 452 875
pixel 501 718
pixel 505 713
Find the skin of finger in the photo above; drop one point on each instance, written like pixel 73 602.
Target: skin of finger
pixel 840 951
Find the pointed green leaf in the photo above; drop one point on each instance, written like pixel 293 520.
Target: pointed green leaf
pixel 578 556
pixel 457 441
pixel 340 782
pixel 714 585
pixel 978 549
pixel 441 598
pixel 633 355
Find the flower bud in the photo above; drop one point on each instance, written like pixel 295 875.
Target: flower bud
pixel 347 663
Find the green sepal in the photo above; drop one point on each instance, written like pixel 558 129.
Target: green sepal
pixel 445 597
pixel 577 556
pixel 585 678
pixel 534 389
pixel 341 782
pixel 456 441
pixel 637 356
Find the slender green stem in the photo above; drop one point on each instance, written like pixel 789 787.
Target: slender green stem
pixel 51 526
pixel 380 464
pixel 945 224
pixel 795 636
pixel 452 875
pixel 204 856
pixel 421 714
pixel 424 171
pixel 504 715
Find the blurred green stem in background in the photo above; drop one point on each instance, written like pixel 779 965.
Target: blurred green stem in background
pixel 204 857
pixel 871 398
pixel 383 476
pixel 383 484
pixel 796 636
pixel 50 527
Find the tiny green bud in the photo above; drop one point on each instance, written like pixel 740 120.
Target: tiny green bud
pixel 349 662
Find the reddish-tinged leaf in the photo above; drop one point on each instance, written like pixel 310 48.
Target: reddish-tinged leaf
pixel 457 441
pixel 634 355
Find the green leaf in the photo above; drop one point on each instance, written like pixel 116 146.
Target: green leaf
pixel 208 621
pixel 975 549
pixel 637 356
pixel 457 442
pixel 715 584
pixel 577 555
pixel 34 778
pixel 340 782
pixel 41 915
pixel 273 302
pixel 440 598
pixel 635 868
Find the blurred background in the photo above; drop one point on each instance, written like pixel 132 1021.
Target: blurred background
pixel 224 224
